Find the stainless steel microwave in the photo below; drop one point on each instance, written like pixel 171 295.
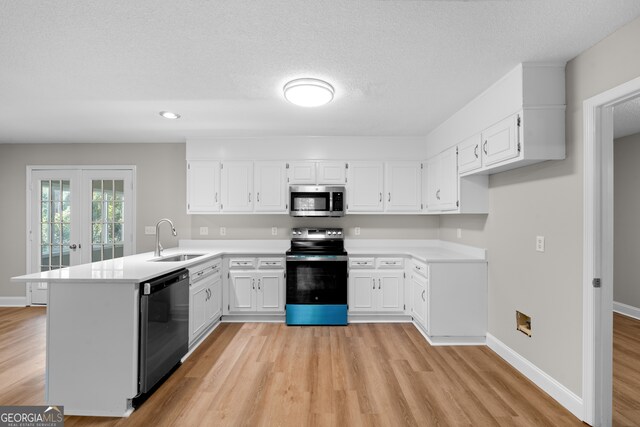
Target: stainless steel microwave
pixel 316 200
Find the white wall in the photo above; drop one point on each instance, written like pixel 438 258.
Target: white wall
pixel 546 199
pixel 626 256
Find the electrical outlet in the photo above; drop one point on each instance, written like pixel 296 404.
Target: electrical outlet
pixel 150 230
pixel 274 231
pixel 459 233
pixel 204 231
pixel 540 243
pixel 223 231
pixel 357 231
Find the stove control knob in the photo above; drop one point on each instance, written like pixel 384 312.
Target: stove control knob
pixel 339 232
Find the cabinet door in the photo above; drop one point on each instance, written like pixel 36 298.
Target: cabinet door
pixel 214 303
pixel 198 295
pixel 433 184
pixel 501 141
pixel 403 186
pixel 242 291
pixel 362 291
pixel 270 287
pixel 365 187
pixel 419 299
pixel 237 186
pixel 270 187
pixel 469 154
pixel 302 172
pixel 390 291
pixel 448 178
pixel 203 186
pixel 331 173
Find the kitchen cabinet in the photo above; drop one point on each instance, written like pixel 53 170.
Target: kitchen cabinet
pixel 237 186
pixel 365 182
pixel 261 290
pixel 501 141
pixel 379 290
pixel 442 181
pixel 205 298
pixel 403 186
pixel 203 186
pixel 321 172
pixel 450 299
pixel 270 186
pixel 470 154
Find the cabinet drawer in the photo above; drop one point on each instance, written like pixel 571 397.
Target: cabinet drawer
pixel 265 263
pixel 420 268
pixel 389 263
pixel 361 263
pixel 235 263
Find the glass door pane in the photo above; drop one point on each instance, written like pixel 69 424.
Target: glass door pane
pixel 55 223
pixel 107 219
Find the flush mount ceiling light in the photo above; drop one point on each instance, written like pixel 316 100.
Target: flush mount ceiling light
pixel 169 115
pixel 308 92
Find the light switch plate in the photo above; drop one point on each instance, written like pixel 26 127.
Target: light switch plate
pixel 274 231
pixel 357 231
pixel 223 231
pixel 204 231
pixel 540 243
pixel 150 230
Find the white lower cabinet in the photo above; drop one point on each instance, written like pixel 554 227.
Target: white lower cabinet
pixel 259 291
pixel 376 291
pixel 205 301
pixel 450 299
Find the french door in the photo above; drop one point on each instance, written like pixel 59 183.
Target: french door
pixel 77 215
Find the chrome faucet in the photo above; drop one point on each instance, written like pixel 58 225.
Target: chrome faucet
pixel 158 250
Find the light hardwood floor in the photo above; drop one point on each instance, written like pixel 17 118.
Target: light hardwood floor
pixel 626 371
pixel 258 374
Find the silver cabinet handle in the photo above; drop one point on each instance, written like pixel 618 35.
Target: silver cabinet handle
pixel 418 267
pixel 374 283
pixel 379 283
pixel 380 196
pixel 438 194
pixel 475 151
pixel 423 296
pixel 484 147
pixel 253 284
pixel 216 197
pixel 249 197
pixel 258 284
pixel 258 197
pixel 389 197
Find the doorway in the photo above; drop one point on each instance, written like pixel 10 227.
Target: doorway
pixel 598 251
pixel 77 215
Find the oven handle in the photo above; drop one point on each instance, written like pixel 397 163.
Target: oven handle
pixel 317 257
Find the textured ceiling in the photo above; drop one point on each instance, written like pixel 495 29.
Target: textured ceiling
pixel 626 118
pixel 99 71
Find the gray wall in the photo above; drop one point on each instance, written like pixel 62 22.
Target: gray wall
pixel 546 199
pixel 161 180
pixel 626 255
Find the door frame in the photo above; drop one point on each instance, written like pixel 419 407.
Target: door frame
pixel 29 189
pixel 597 336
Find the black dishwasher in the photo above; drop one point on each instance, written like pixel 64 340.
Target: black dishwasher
pixel 164 326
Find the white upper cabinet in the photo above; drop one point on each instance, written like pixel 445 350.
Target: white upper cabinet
pixel 442 181
pixel 470 154
pixel 301 172
pixel 365 187
pixel 331 172
pixel 319 172
pixel 237 186
pixel 203 186
pixel 403 186
pixel 501 141
pixel 270 185
pixel 521 120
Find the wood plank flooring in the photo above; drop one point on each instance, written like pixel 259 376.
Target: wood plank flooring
pixel 626 371
pixel 268 374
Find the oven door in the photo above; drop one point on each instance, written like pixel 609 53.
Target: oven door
pixel 316 279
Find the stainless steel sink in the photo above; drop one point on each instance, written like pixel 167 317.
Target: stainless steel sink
pixel 177 258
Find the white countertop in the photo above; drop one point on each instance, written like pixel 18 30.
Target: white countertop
pixel 138 268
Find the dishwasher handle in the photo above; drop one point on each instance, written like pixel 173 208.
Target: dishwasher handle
pixel 159 283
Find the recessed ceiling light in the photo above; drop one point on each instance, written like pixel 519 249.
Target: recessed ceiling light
pixel 308 92
pixel 169 115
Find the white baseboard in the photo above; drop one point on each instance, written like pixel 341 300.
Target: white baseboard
pixel 627 310
pixel 13 301
pixel 553 388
